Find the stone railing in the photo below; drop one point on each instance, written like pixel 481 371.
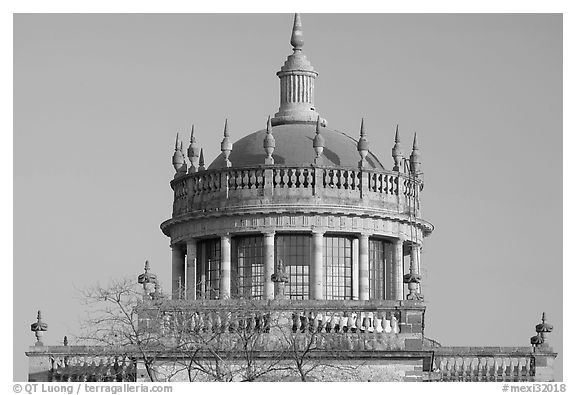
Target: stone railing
pixel 329 317
pixel 483 364
pixel 80 363
pixel 201 190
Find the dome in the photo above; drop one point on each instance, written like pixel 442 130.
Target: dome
pixel 294 148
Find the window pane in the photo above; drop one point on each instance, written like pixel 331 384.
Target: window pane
pixel 294 251
pixel 338 267
pixel 247 267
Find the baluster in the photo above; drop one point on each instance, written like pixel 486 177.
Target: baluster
pixel 308 178
pixel 245 180
pixel 301 178
pixel 394 324
pixel 284 178
pixel 352 323
pixel 304 322
pixel 259 178
pixel 508 370
pixel 252 179
pixel 378 324
pixel 276 177
pixel 292 181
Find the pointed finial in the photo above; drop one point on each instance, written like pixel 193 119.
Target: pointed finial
pixel 65 342
pixel 226 144
pixel 363 145
pixel 178 157
pixel 226 134
pixel 318 143
pixel 146 266
pixel 415 158
pixel 193 152
pixel 201 161
pixel 297 40
pixel 397 151
pixel 269 143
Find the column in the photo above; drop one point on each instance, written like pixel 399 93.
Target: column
pixel 398 270
pixel 363 286
pixel 389 270
pixel 268 244
pixel 177 271
pixel 225 263
pixel 415 261
pixel 355 269
pixel 317 269
pixel 191 270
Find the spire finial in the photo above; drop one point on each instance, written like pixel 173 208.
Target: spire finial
pixel 178 157
pixel 363 145
pixel 226 144
pixel 415 158
pixel 226 133
pixel 269 143
pixel 193 152
pixel 318 143
pixel 397 151
pixel 297 40
pixel 201 161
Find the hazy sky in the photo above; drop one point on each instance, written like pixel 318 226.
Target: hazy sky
pixel 98 100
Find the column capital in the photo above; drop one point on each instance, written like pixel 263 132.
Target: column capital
pixel 269 233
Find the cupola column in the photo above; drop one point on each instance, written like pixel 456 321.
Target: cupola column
pixel 191 259
pixel 225 264
pixel 363 285
pixel 317 272
pixel 398 270
pixel 177 271
pixel 415 261
pixel 268 243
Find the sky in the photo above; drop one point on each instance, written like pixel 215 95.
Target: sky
pixel 98 99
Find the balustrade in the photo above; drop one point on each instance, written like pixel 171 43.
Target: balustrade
pixel 212 181
pixel 469 367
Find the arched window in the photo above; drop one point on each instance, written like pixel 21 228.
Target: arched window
pixel 295 253
pixel 338 267
pixel 247 267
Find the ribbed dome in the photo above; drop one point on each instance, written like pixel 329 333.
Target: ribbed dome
pixel 294 148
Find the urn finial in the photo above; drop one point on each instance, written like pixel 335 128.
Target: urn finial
pixel 226 145
pixel 397 151
pixel 415 163
pixel 269 144
pixel 318 143
pixel 363 145
pixel 193 152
